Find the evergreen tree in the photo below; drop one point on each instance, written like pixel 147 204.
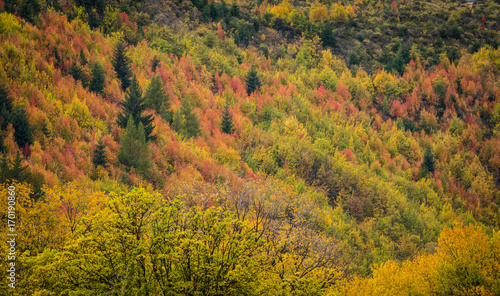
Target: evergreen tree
pixel 253 81
pixel 2 144
pixel 327 38
pixel 78 74
pixel 22 129
pixel 428 165
pixel 100 158
pixel 83 59
pixel 98 76
pixel 13 170
pixel 121 63
pixel 5 107
pixel 185 121
pixel 133 106
pixel 29 10
pixel 227 121
pixel 155 63
pixel 134 151
pixel 156 98
pixel 192 127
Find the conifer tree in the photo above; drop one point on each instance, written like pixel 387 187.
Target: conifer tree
pixel 134 151
pixel 22 129
pixel 121 63
pixel 133 106
pixel 83 59
pixel 155 63
pixel 29 10
pixel 98 76
pixel 5 107
pixel 13 170
pixel 100 158
pixel 227 121
pixel 327 38
pixel 78 74
pixel 253 81
pixel 428 165
pixel 185 121
pixel 156 98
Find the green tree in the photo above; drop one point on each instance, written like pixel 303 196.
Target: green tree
pixel 134 151
pixel 227 121
pixel 133 106
pixel 156 98
pixel 83 59
pixel 155 63
pixel 5 107
pixel 185 121
pixel 100 158
pixel 13 170
pixel 22 128
pixel 29 10
pixel 253 81
pixel 327 38
pixel 121 63
pixel 428 165
pixel 78 74
pixel 98 76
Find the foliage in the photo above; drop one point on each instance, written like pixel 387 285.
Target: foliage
pixel 121 63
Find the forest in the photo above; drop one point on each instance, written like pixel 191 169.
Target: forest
pixel 269 147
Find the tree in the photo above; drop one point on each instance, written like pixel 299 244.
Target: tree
pixel 5 107
pixel 83 59
pixel 134 151
pixel 155 63
pixel 121 63
pixel 22 128
pixel 100 157
pixel 253 81
pixel 428 165
pixel 78 74
pixel 98 76
pixel 13 170
pixel 227 121
pixel 156 98
pixel 185 121
pixel 133 106
pixel 327 38
pixel 29 10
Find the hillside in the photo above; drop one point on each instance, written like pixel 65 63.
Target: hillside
pixel 269 148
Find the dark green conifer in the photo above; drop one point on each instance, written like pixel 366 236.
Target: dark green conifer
pixel 428 165
pixel 78 74
pixel 134 151
pixel 100 158
pixel 5 107
pixel 133 106
pixel 227 121
pixel 83 59
pixel 13 170
pixel 29 10
pixel 121 63
pixel 253 81
pixel 327 38
pixel 155 63
pixel 98 76
pixel 22 128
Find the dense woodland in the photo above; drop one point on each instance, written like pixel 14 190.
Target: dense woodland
pixel 203 147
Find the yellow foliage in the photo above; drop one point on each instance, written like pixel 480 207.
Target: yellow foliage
pixel 319 13
pixel 381 80
pixel 79 111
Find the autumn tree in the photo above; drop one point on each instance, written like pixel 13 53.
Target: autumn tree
pixel 134 150
pixel 22 127
pixel 98 76
pixel 227 121
pixel 133 106
pixel 121 63
pixel 253 81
